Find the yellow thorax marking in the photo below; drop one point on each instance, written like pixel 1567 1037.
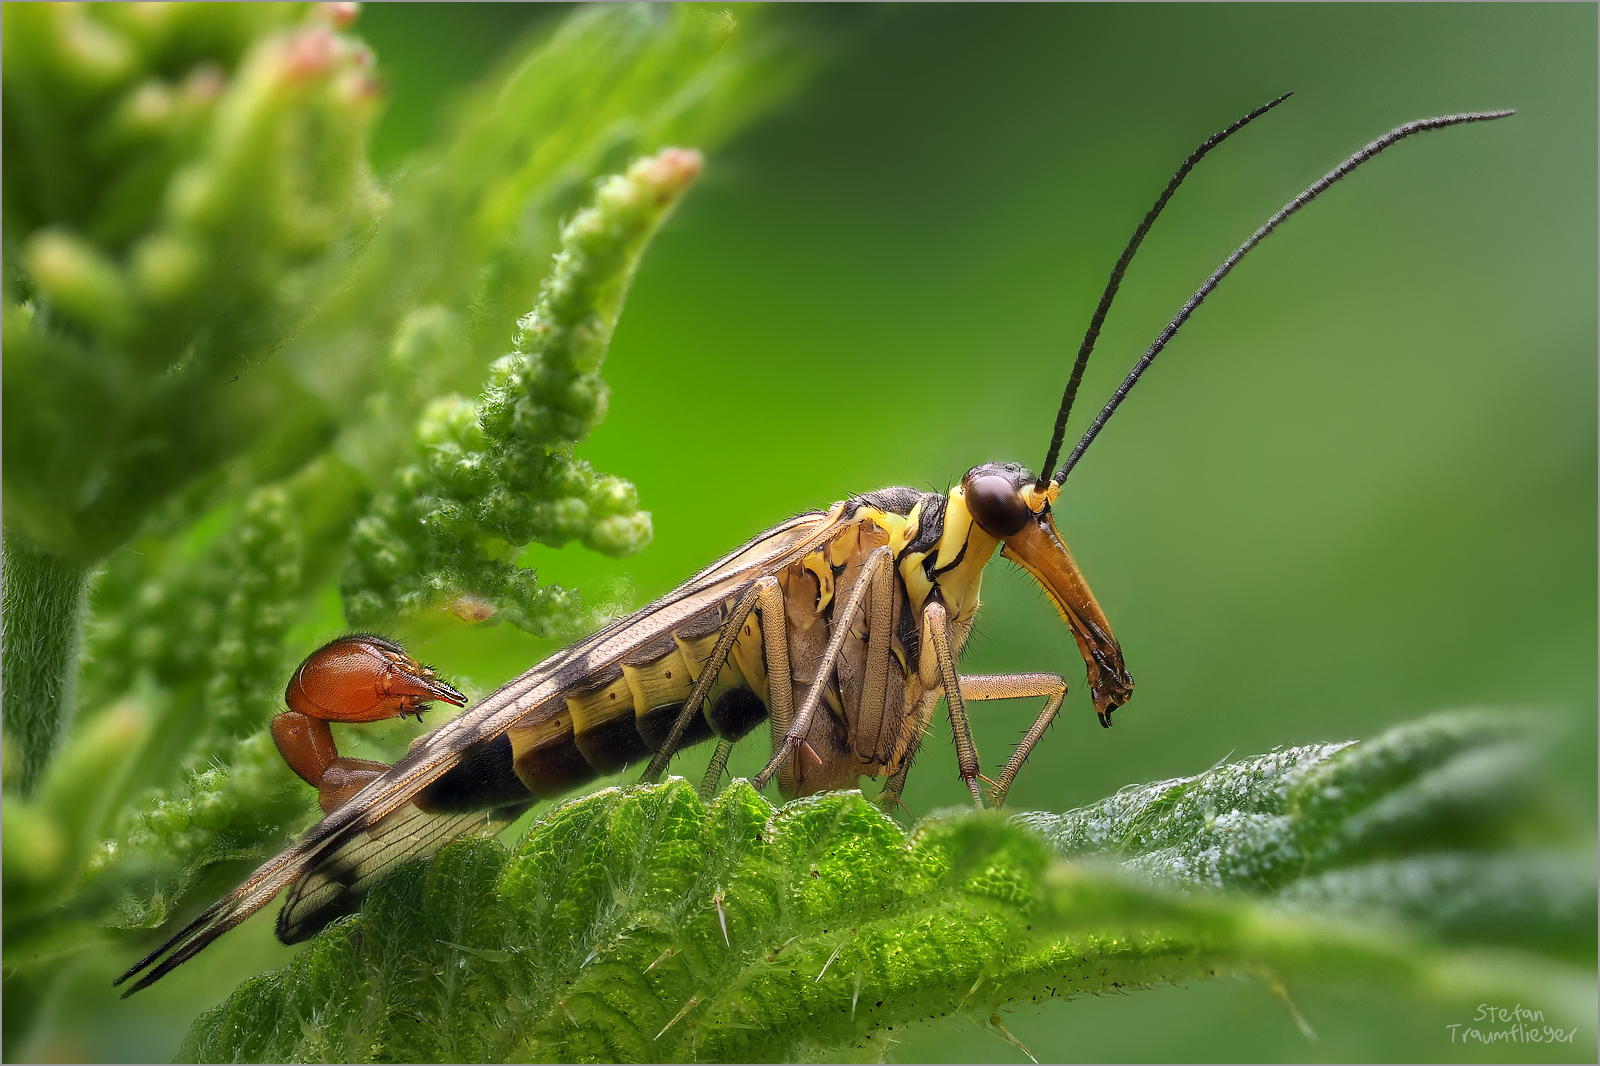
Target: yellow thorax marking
pixel 957 523
pixel 900 530
pixel 817 563
pixel 917 584
pixel 962 582
pixel 843 545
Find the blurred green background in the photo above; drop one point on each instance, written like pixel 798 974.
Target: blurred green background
pixel 1359 487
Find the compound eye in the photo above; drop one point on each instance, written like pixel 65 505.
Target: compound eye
pixel 996 505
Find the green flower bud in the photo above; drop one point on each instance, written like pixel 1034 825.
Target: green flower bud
pixel 166 266
pixel 621 534
pixel 80 281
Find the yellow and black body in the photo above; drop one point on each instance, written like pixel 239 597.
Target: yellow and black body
pixel 839 629
pixel 862 575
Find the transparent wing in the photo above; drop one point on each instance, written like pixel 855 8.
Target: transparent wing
pixel 335 887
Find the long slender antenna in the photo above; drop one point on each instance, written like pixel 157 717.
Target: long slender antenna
pixel 1115 283
pixel 1315 190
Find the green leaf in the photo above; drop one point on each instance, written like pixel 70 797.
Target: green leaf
pixel 1412 824
pixel 641 925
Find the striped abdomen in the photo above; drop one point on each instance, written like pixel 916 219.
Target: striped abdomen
pixel 615 718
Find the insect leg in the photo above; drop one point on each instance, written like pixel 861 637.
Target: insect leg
pixel 872 572
pixel 780 678
pixel 1018 686
pixel 714 772
pixel 708 675
pixel 936 636
pixel 904 751
pixel 889 798
pixel 875 687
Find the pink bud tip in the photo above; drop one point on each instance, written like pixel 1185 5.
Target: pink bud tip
pixel 668 171
pixel 341 15
pixel 310 54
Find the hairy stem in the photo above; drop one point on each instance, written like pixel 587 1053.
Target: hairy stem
pixel 43 611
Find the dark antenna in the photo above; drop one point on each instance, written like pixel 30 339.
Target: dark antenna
pixel 1115 283
pixel 1317 189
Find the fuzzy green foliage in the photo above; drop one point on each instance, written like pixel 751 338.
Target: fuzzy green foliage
pixel 184 185
pixel 43 602
pixel 500 473
pixel 1441 823
pixel 197 780
pixel 226 340
pixel 641 925
pixel 206 289
pixel 183 189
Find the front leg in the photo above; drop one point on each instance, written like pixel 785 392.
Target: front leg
pixel 1012 687
pixel 974 688
pixel 940 669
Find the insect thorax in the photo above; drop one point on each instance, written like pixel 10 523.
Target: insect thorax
pixel 939 551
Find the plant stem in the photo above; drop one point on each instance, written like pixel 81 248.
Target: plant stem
pixel 42 611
